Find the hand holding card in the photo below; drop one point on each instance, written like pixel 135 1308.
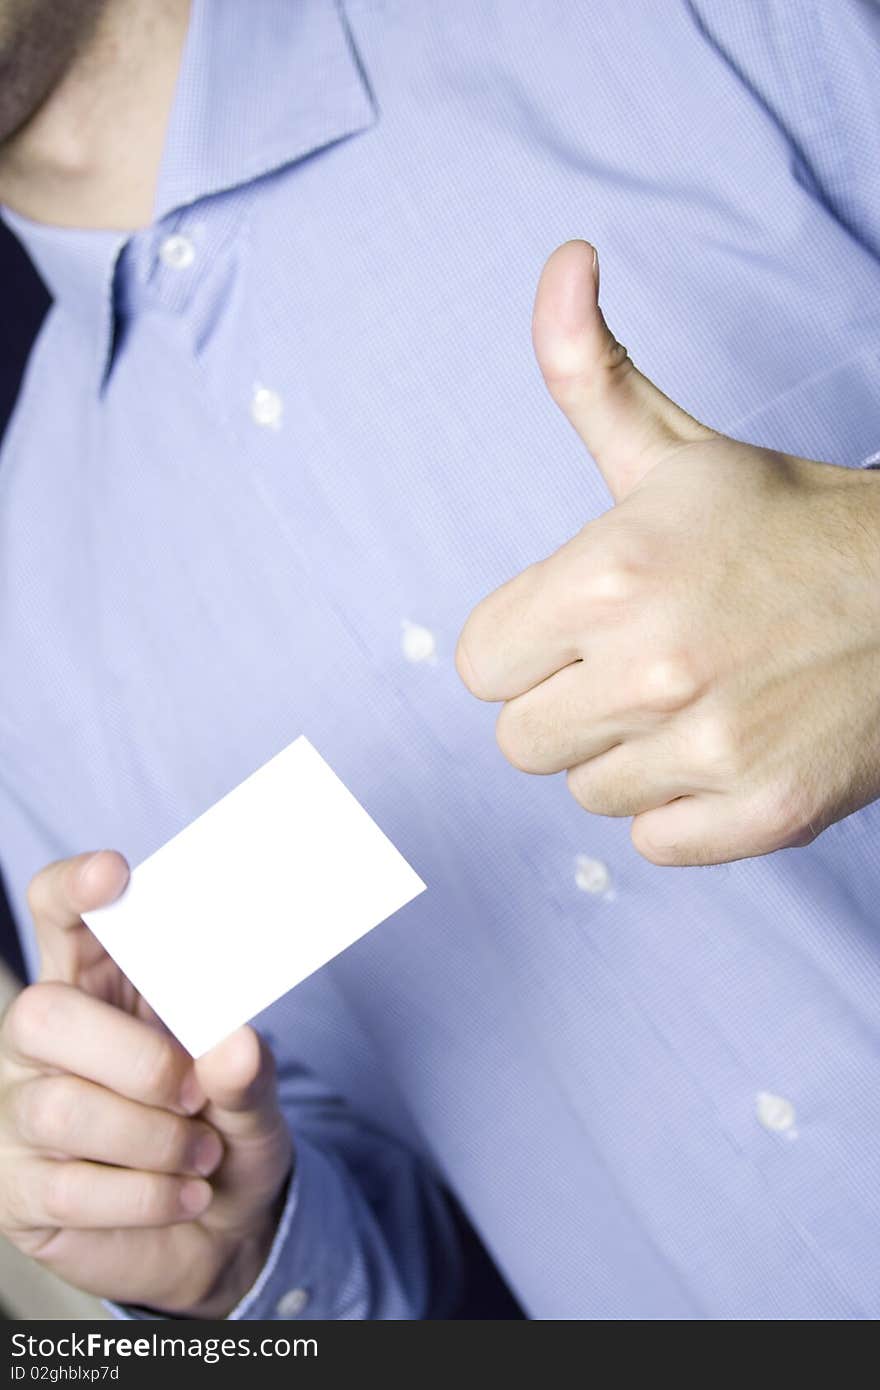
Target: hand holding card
pixel 108 1130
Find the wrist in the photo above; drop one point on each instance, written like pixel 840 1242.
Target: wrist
pixel 241 1263
pixel 871 494
pixel 847 507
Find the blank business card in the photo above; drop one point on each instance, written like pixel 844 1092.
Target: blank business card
pixel 268 885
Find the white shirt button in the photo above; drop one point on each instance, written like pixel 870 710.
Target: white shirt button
pixel 292 1303
pixel 266 407
pixel 177 252
pixel 775 1113
pixel 419 643
pixel 591 875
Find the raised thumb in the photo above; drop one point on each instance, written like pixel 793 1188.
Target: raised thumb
pixel 626 422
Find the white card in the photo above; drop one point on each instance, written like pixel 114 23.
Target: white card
pixel 273 881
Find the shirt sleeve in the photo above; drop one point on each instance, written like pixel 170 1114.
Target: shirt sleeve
pixel 365 1232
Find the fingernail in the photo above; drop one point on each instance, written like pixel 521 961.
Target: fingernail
pixel 192 1098
pixel 595 261
pixel 194 1197
pixel 574 294
pixel 208 1153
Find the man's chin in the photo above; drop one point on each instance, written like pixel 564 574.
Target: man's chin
pixel 19 100
pixel 38 40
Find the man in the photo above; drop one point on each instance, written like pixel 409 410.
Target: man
pixel 281 432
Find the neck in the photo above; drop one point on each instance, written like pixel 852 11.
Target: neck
pixel 89 156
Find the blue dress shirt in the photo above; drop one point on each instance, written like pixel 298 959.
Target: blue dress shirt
pixel 268 453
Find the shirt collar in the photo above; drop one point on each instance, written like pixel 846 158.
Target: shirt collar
pixel 261 85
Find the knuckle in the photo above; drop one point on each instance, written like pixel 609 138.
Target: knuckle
pixel 467 662
pixel 668 683
pixel 31 1014
pixel 484 634
pixel 34 1244
pixel 144 1200
pixel 713 743
pixel 614 357
pixel 33 1113
pixel 564 370
pixel 50 888
pixel 171 1141
pixel 157 1071
pixel 61 1109
pixel 581 786
pixel 153 1199
pixel 60 1194
pixel 15 1022
pixel 611 580
pixel 599 793
pixel 522 736
pixel 39 891
pixel 653 846
pixel 612 584
pixel 42 1247
pixel 787 814
pixel 15 1202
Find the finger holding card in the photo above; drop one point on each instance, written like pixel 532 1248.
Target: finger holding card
pixel 109 1130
